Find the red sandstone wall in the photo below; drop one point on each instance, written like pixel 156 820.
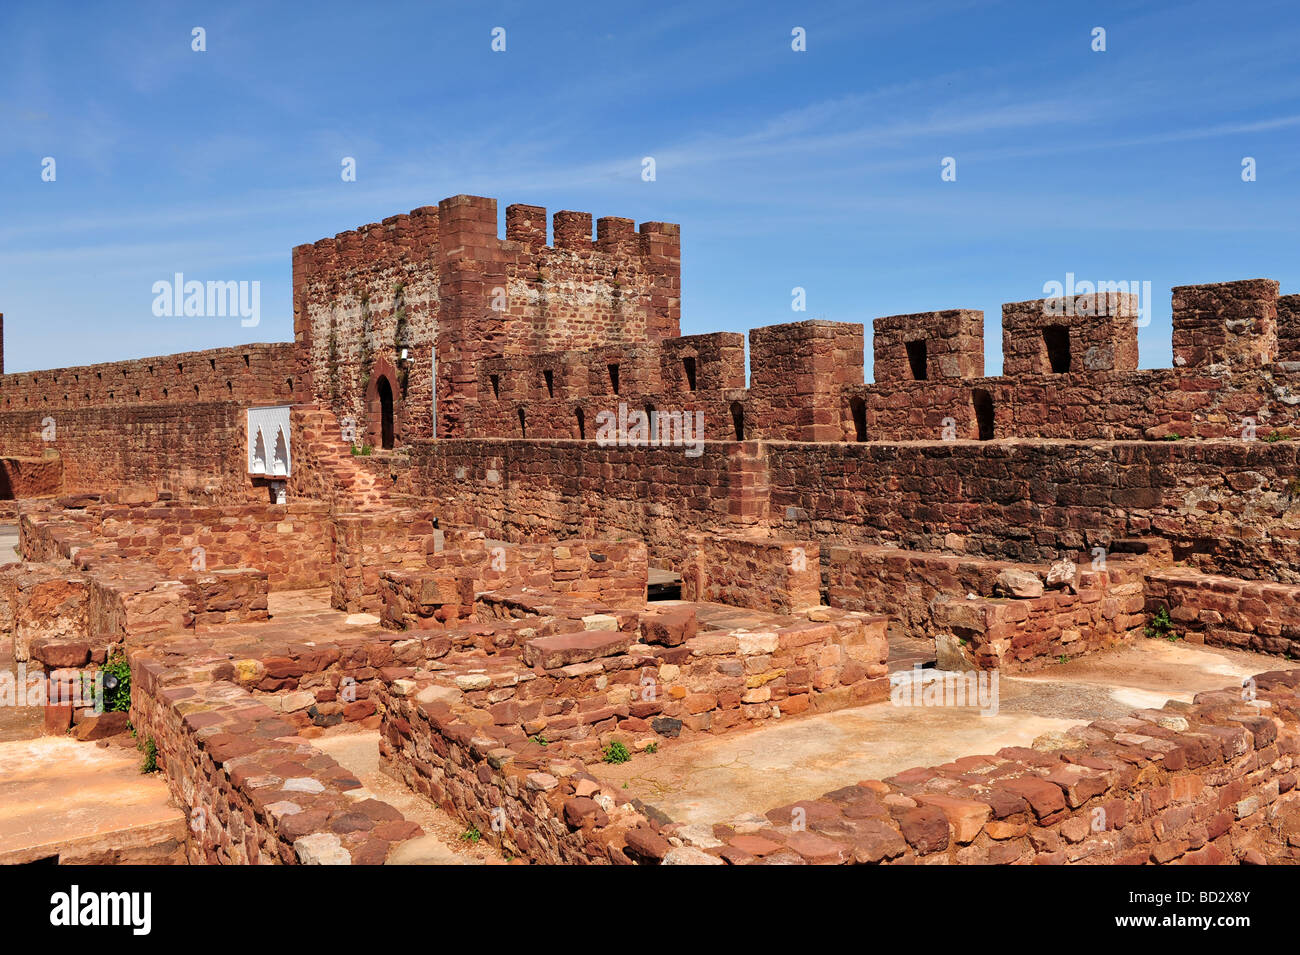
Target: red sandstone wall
pixel 457 289
pixel 363 545
pixel 182 448
pixel 1210 783
pixel 1140 405
pixel 290 543
pixel 1221 611
pixel 220 750
pixel 1229 506
pixel 251 374
pixel 778 576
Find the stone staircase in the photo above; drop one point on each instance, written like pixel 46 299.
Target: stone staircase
pixel 344 481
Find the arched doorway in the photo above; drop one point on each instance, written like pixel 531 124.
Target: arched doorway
pixel 385 392
pixel 383 405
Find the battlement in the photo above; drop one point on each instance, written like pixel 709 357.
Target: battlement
pixel 1230 324
pixel 1075 334
pixel 1288 328
pixel 1070 370
pixel 929 346
pixel 432 293
pixel 262 373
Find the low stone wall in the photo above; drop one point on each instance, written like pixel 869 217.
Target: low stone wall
pixel 523 801
pixel 39 601
pixel 1104 610
pixel 227 596
pixel 255 793
pixel 609 573
pixel 30 477
pixel 290 543
pixel 498 736
pixel 1213 782
pixel 364 544
pixel 1226 612
pixel 981 617
pixel 905 584
pixel 714 681
pixel 763 574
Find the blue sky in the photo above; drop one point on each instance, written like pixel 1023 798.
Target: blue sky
pixel 817 169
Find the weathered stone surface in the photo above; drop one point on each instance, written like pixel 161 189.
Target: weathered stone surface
pixel 1018 583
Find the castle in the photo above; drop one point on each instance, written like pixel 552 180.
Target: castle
pixel 432 448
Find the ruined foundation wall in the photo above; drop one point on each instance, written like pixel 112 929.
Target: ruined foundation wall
pixel 1208 783
pixel 1223 612
pixel 254 795
pixel 290 543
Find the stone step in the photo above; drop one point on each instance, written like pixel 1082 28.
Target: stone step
pixel 562 649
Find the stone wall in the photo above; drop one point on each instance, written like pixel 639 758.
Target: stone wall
pixel 255 795
pixel 1100 609
pixel 610 573
pixel 440 283
pixel 194 449
pixel 1226 612
pixel 501 741
pixel 364 545
pixel 246 374
pixel 1231 506
pixel 1082 334
pixel 1207 783
pixel 764 574
pixel 30 477
pixel 289 543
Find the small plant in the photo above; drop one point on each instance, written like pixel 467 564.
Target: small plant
pixel 1173 436
pixel 652 747
pixel 1162 626
pixel 117 699
pixel 1276 436
pixel 616 752
pixel 361 450
pixel 471 835
pixel 540 740
pixel 1063 658
pixel 150 764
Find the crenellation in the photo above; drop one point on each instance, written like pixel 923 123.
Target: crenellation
pixel 1288 328
pixel 527 225
pixel 929 346
pixel 1081 334
pixel 1226 323
pixel 529 527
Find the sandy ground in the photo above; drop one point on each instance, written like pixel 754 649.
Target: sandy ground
pixel 712 779
pixel 62 797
